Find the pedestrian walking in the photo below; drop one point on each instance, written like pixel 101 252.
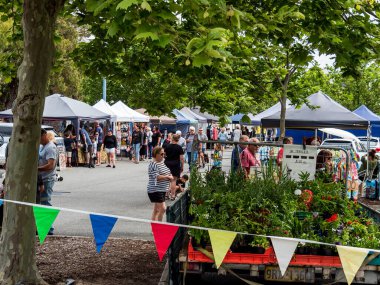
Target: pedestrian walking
pixel 110 146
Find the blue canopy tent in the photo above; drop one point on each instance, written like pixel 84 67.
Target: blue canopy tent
pixel 327 114
pixel 374 119
pixel 184 121
pixel 237 119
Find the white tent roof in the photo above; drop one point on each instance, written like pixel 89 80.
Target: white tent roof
pixel 105 108
pixel 193 115
pixel 126 114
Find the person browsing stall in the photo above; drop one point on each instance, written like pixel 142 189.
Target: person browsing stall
pixel 158 183
pixel 175 161
pixel 248 157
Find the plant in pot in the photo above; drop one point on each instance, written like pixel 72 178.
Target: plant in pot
pixel 259 244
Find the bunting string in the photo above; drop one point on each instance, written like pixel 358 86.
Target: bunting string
pixel 132 219
pixel 351 258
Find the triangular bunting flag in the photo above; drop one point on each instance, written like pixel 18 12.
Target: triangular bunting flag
pixel 101 227
pixel 44 217
pixel 284 249
pixel 352 258
pixel 220 242
pixel 163 236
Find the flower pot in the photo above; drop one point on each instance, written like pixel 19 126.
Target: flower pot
pixel 301 250
pixel 258 249
pixel 314 251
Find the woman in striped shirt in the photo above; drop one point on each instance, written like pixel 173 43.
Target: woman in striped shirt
pixel 159 181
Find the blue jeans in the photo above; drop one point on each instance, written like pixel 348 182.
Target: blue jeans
pixel 192 158
pixel 45 197
pixel 136 149
pixel 48 191
pixel 150 149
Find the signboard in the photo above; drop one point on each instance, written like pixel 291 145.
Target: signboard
pixel 298 159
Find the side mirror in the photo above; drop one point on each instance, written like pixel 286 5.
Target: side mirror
pixel 1 140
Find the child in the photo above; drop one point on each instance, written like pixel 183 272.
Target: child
pixel 181 183
pixel 94 149
pixel 217 157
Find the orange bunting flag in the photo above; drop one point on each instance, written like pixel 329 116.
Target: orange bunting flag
pixel 163 236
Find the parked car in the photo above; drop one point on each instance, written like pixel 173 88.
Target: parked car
pixel 6 132
pixel 355 144
pixel 374 142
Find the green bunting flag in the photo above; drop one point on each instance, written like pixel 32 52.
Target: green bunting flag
pixel 44 217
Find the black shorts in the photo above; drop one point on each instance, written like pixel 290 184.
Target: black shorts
pixel 157 197
pixel 98 146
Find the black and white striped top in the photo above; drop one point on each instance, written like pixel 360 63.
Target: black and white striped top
pixel 155 169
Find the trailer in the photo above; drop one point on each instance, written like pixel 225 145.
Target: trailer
pixel 185 260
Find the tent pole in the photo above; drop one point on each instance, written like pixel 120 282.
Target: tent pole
pixel 368 148
pixel 316 135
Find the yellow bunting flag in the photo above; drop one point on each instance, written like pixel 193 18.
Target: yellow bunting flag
pixel 352 258
pixel 220 242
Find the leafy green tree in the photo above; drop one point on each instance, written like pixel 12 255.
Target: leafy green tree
pixel 17 251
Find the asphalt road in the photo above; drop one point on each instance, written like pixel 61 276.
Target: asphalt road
pixel 120 191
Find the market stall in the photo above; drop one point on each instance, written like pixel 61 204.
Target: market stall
pixel 211 119
pixel 324 113
pixel 61 108
pixel 202 121
pixel 163 122
pixel 126 117
pixel 184 121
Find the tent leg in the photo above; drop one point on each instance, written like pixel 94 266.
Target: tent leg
pixel 368 148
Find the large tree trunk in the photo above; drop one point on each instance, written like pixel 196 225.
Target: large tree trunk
pixel 17 240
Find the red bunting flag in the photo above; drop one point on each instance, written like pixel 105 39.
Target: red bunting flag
pixel 163 236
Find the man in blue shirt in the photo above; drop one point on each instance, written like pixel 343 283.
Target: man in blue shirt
pixel 87 146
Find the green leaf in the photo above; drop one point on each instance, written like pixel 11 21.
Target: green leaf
pixel 214 53
pixel 7 80
pixel 298 15
pixel 201 59
pixel 145 5
pixel 193 43
pixel 166 15
pixel 125 4
pixel 113 29
pixel 164 40
pixel 146 35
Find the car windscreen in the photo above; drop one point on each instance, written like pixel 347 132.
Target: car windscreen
pixel 372 143
pixel 342 144
pixel 6 131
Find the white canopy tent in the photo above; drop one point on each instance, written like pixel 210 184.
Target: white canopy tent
pixel 106 108
pixel 126 114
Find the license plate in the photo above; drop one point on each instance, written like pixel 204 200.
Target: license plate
pixel 293 274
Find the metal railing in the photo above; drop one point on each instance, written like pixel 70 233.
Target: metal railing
pixel 177 213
